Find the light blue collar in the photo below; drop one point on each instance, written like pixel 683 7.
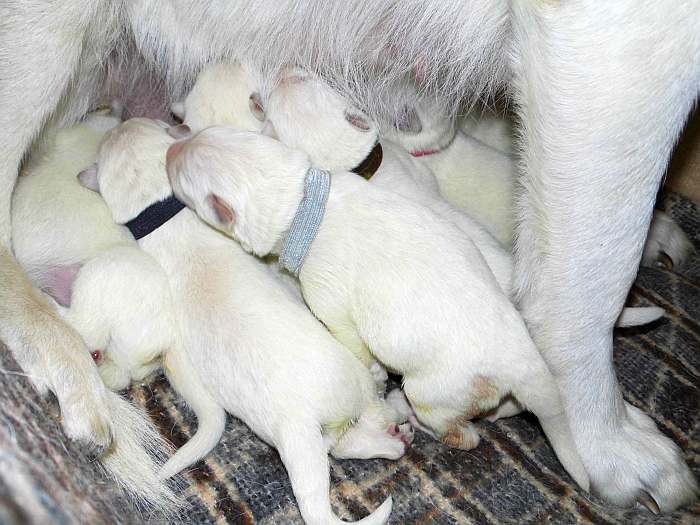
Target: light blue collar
pixel 307 220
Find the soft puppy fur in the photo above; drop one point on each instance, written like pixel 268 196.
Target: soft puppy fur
pixel 70 246
pixel 595 136
pixel 246 341
pixel 223 94
pixel 460 349
pixel 306 113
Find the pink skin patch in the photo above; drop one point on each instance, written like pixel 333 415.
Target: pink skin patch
pixel 425 152
pixel 395 432
pixel 57 281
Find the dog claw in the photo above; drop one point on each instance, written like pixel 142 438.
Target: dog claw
pixel 648 501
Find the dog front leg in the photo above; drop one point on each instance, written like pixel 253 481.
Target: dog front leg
pixel 42 44
pixel 603 91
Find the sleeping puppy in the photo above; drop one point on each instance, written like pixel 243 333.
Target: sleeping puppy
pixel 305 113
pixel 65 238
pixel 71 248
pixel 381 274
pixel 223 94
pixel 246 341
pixel 477 172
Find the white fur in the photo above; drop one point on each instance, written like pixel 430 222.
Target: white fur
pixel 222 96
pixel 596 135
pixel 58 223
pixel 248 347
pixel 309 115
pixel 390 280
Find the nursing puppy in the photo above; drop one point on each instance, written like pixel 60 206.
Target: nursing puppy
pixel 573 271
pixel 223 94
pixel 460 349
pixel 70 247
pixel 66 240
pixel 477 172
pixel 304 112
pixel 246 341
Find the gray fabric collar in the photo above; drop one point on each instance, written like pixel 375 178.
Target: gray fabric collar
pixel 307 220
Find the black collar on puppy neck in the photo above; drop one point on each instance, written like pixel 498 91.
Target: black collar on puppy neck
pixel 370 165
pixel 154 217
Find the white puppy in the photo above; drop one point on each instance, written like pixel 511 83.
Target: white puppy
pixel 247 346
pixel 65 238
pixel 477 172
pixel 596 136
pixel 224 94
pixel 306 113
pixel 381 274
pixel 71 248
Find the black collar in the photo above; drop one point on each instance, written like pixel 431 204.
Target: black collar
pixel 154 217
pixel 370 165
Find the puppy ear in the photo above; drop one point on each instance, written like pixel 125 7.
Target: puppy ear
pixel 223 211
pixel 356 120
pixel 88 178
pixel 269 130
pixel 178 109
pixel 256 107
pixel 180 131
pixel 409 121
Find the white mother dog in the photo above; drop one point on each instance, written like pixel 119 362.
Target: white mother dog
pixel 602 91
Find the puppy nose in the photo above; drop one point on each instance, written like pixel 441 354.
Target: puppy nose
pixel 173 152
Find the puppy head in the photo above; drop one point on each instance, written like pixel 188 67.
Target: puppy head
pixel 245 184
pixel 130 171
pixel 307 114
pixel 421 129
pixel 223 95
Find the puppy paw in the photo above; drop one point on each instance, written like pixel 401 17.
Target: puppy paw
pixel 403 433
pixel 667 244
pixel 639 464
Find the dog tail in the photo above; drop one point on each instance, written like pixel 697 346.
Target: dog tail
pixel 211 418
pixel 638 316
pixel 133 459
pixel 305 457
pixel 539 394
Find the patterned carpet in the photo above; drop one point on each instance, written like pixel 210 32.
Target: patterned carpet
pixel 512 477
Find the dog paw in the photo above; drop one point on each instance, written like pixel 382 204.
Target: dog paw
pixel 639 464
pixel 87 421
pixel 667 244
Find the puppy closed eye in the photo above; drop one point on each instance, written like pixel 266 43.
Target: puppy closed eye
pixel 357 121
pixel 256 107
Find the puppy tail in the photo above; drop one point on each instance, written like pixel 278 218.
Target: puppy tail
pixel 305 457
pixel 133 459
pixel 540 395
pixel 638 316
pixel 211 418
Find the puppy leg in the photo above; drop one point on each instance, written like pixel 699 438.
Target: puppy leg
pixel 42 44
pixel 602 105
pixel 305 456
